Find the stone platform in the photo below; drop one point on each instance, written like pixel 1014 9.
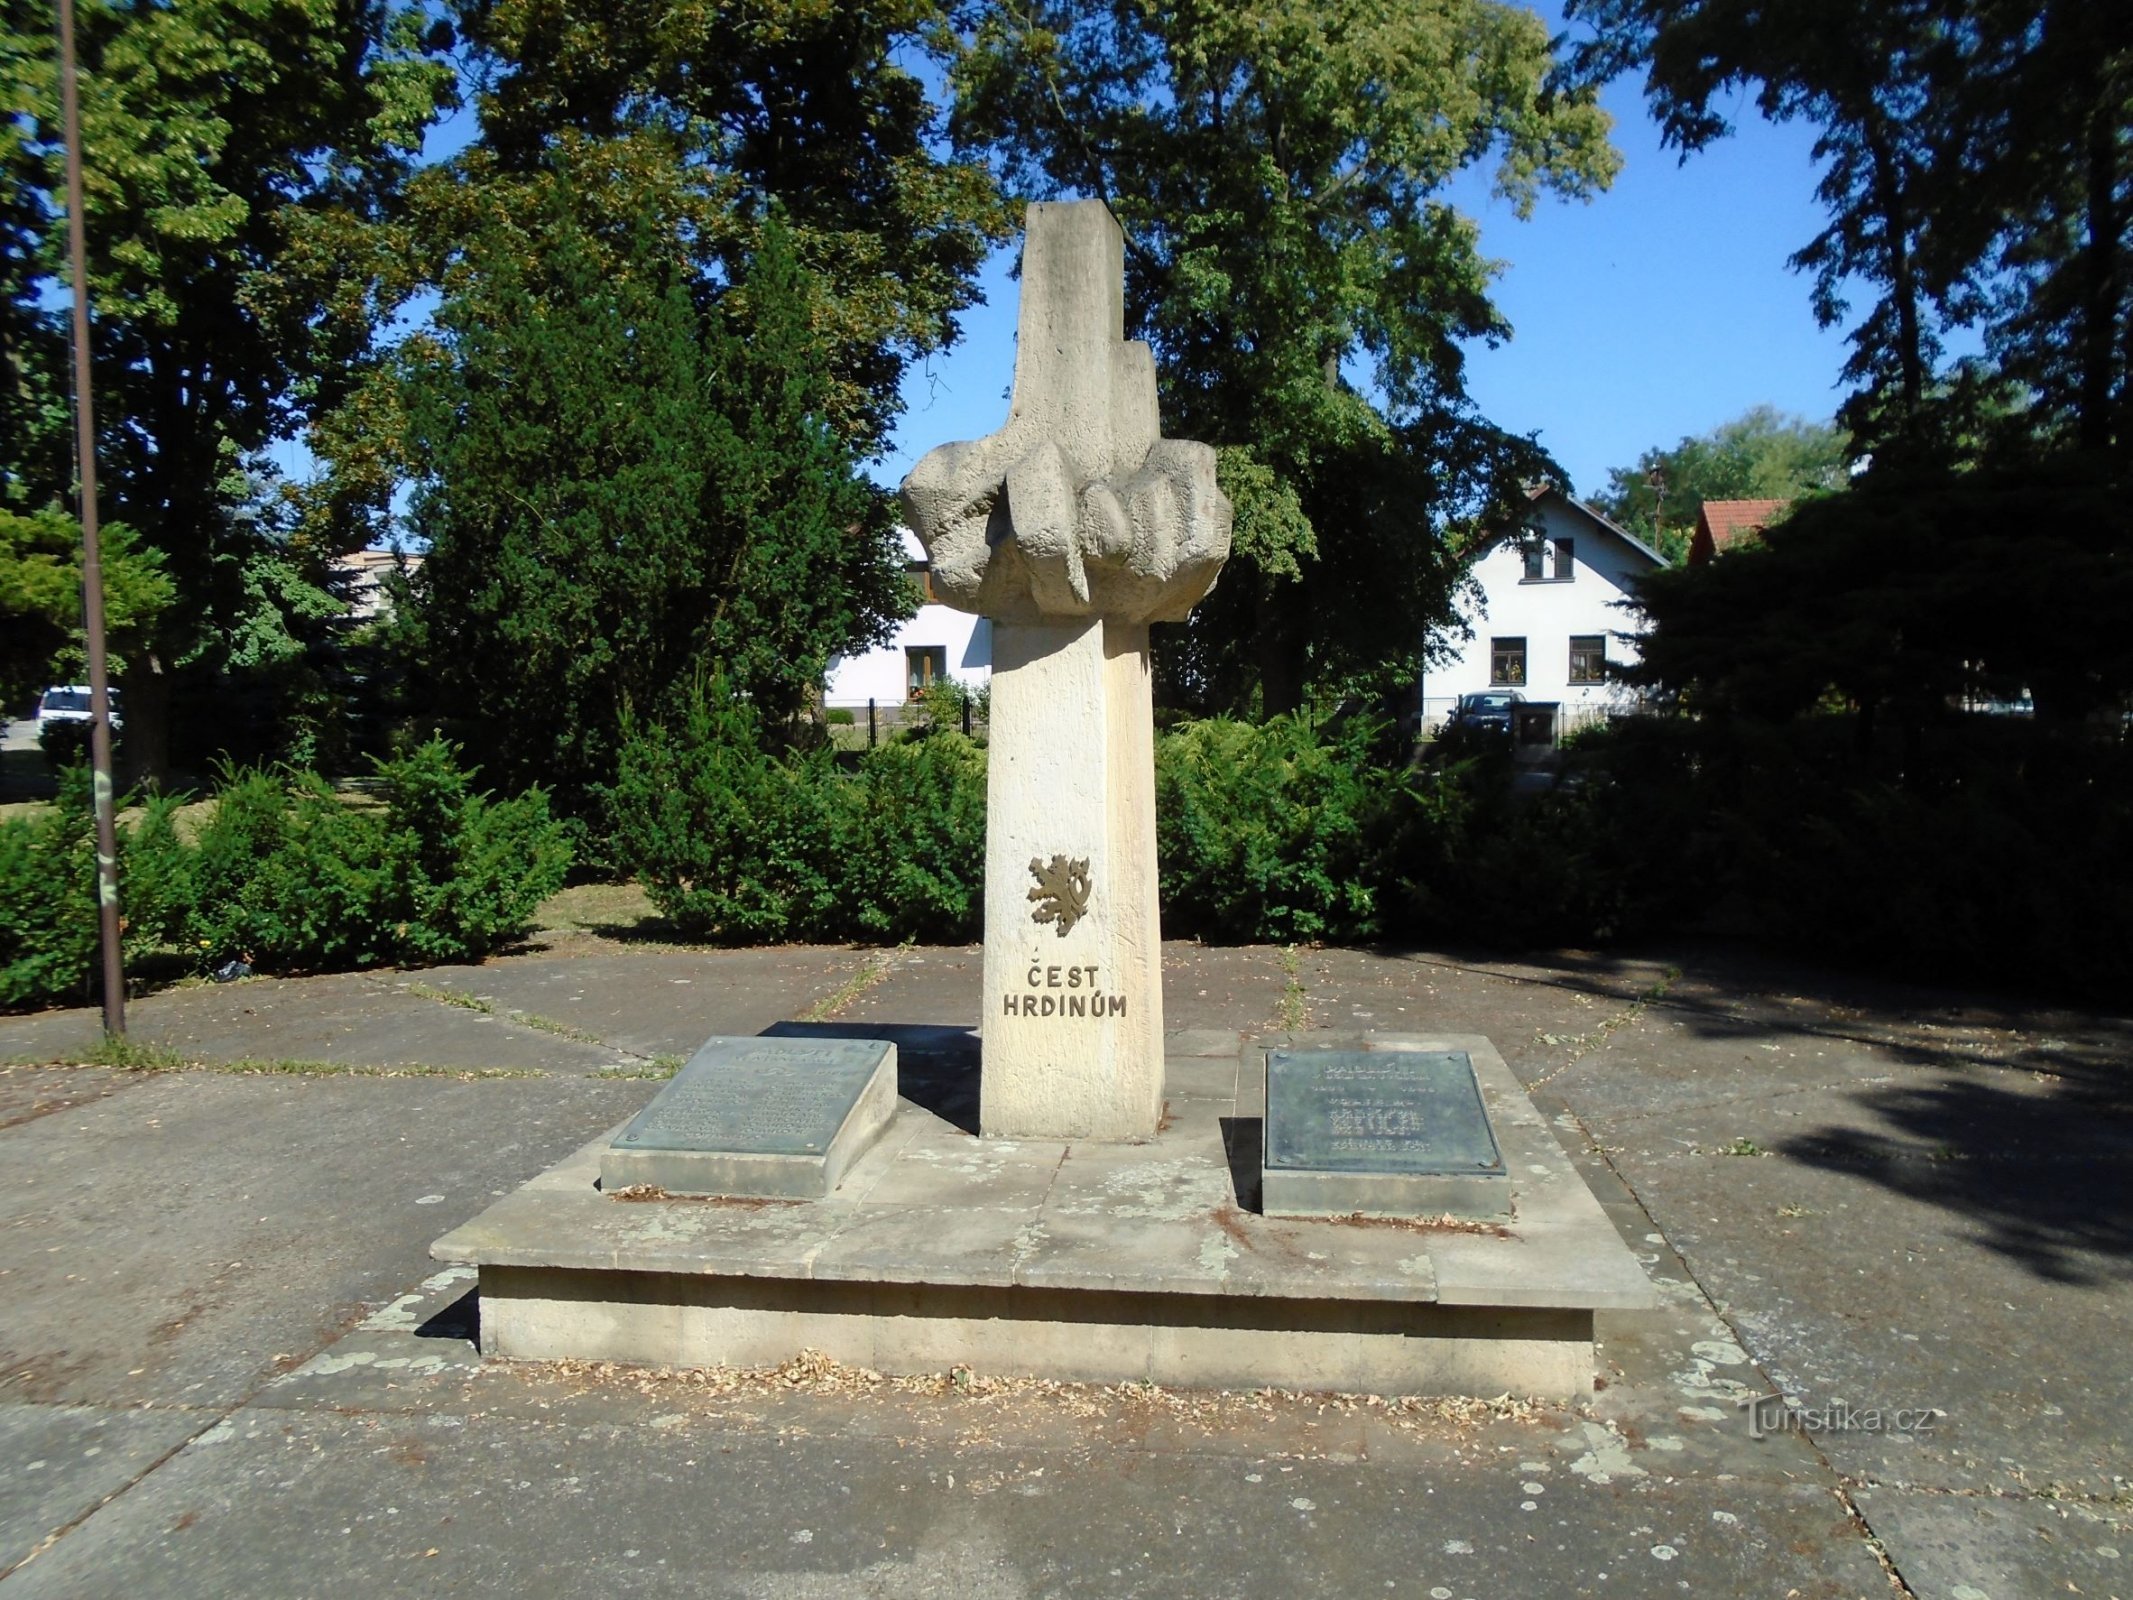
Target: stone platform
pixel 1073 1260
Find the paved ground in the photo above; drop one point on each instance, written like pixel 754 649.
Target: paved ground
pixel 227 1367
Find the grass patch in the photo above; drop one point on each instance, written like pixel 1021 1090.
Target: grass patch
pixel 562 1030
pixel 876 969
pixel 612 910
pixel 489 1008
pixel 656 1067
pixel 131 1055
pixel 1294 1012
pixel 452 997
pixel 1742 1147
pixel 337 1069
pixel 128 1055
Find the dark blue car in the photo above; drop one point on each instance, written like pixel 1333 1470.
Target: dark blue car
pixel 1490 711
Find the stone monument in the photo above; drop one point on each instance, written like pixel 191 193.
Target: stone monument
pixel 1073 528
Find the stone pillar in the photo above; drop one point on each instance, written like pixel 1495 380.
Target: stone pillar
pixel 1073 1018
pixel 1073 527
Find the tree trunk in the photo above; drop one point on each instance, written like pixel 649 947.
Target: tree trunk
pixel 2100 298
pixel 1278 645
pixel 1893 203
pixel 147 710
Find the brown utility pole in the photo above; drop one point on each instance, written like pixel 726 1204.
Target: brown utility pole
pixel 92 566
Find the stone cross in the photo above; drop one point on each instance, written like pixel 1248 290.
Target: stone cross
pixel 1073 527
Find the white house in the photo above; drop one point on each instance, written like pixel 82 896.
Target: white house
pixel 939 644
pixel 1545 617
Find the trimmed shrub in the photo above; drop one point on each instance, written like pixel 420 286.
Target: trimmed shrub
pixel 285 874
pixel 290 877
pixel 730 843
pixel 911 855
pixel 48 900
pixel 1281 831
pixel 48 923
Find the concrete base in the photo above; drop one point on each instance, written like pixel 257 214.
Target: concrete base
pixel 1088 1336
pixel 1087 1261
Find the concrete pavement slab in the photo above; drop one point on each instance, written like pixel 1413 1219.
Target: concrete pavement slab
pixel 29 1092
pixel 348 1018
pixel 939 985
pixel 182 1240
pixel 1870 1287
pixel 1968 1547
pixel 45 1036
pixel 59 1463
pixel 652 1001
pixel 1957 1226
pixel 281 1504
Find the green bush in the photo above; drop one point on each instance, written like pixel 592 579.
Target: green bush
pixel 740 846
pixel 729 842
pixel 48 889
pixel 48 900
pixel 1280 831
pixel 290 877
pixel 911 849
pixel 285 875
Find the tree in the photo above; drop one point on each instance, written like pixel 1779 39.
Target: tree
pixel 700 123
pixel 1901 595
pixel 1977 171
pixel 40 599
pixel 1762 454
pixel 629 480
pixel 215 134
pixel 1278 167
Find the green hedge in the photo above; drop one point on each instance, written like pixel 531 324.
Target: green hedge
pixel 285 875
pixel 737 845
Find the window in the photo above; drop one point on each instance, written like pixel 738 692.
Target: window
pixel 1507 661
pixel 924 666
pixel 1588 658
pixel 921 573
pixel 1540 568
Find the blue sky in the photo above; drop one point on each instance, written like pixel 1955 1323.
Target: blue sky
pixel 1660 309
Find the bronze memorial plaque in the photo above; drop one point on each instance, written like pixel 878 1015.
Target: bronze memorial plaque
pixel 1379 1132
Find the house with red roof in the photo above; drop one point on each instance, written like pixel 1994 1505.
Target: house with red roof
pixel 1721 524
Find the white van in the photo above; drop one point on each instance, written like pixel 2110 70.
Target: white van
pixel 70 703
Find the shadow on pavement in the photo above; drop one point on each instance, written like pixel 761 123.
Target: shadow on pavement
pixel 2040 1170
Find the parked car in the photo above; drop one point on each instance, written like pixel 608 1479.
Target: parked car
pixel 70 703
pixel 1490 711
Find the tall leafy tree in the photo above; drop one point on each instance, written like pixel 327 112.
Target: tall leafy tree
pixel 40 599
pixel 215 135
pixel 630 478
pixel 1863 73
pixel 1279 168
pixel 1977 171
pixel 698 122
pixel 1762 454
pixel 2041 123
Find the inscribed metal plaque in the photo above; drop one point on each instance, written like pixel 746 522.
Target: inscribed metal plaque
pixel 759 1097
pixel 1406 1111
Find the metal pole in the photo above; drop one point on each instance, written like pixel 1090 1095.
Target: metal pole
pixel 92 567
pixel 870 722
